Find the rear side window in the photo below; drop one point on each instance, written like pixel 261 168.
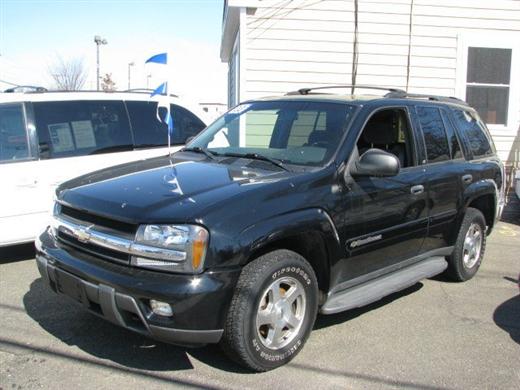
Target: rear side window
pixel 453 140
pixel 78 128
pixel 432 126
pixel 13 137
pixel 474 131
pixel 149 131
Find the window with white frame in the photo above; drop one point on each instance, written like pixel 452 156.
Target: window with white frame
pixel 488 82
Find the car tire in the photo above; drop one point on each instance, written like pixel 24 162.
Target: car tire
pixel 469 249
pixel 272 311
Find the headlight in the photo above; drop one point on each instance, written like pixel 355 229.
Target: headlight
pixel 181 248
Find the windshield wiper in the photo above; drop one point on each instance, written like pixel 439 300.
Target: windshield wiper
pixel 257 156
pixel 198 149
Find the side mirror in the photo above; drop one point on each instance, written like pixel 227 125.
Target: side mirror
pixel 376 162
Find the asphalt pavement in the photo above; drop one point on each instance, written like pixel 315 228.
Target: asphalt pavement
pixel 436 334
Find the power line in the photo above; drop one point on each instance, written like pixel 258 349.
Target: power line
pixel 9 83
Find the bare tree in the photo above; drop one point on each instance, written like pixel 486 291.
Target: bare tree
pixel 107 83
pixel 69 75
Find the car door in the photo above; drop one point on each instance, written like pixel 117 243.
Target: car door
pixel 444 165
pixel 384 218
pixel 19 175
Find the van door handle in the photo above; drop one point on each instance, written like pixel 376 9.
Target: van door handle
pixel 416 190
pixel 467 178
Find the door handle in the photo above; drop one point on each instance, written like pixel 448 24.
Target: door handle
pixel 416 190
pixel 467 178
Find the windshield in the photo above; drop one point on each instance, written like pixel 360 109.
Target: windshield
pixel 292 132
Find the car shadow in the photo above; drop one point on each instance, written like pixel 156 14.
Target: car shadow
pixel 10 254
pixel 507 317
pixel 73 325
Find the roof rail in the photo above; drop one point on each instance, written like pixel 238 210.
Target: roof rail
pixel 26 89
pixel 437 98
pixel 306 91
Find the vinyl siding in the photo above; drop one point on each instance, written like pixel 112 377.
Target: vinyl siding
pixel 292 44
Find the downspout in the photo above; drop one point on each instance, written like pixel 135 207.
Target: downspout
pixel 409 46
pixel 355 49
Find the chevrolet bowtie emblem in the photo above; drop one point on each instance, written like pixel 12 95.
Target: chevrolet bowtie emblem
pixel 82 234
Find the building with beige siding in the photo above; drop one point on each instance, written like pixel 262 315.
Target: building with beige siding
pixel 464 48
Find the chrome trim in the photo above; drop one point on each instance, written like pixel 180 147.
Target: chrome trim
pixel 105 238
pixel 331 222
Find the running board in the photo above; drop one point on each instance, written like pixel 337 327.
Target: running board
pixel 384 285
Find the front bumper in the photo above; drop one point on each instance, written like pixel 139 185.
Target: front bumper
pixel 121 294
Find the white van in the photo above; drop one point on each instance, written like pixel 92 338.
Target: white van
pixel 49 137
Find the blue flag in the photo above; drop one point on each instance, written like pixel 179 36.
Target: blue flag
pixel 160 90
pixel 158 58
pixel 169 122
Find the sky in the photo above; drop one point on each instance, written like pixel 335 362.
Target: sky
pixel 33 34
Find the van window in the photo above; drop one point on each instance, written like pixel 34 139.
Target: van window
pixel 186 124
pixel 474 130
pixel 437 148
pixel 78 128
pixel 149 131
pixel 13 137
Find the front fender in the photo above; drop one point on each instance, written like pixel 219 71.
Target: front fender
pixel 286 225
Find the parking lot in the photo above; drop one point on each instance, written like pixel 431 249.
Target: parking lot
pixel 436 334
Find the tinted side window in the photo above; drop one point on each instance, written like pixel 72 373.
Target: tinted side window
pixel 186 124
pixel 13 137
pixel 456 152
pixel 148 131
pixel 474 131
pixel 434 134
pixel 77 128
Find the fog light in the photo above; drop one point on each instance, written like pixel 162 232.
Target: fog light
pixel 161 308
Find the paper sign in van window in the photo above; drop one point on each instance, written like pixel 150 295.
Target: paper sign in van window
pixel 61 137
pixel 83 134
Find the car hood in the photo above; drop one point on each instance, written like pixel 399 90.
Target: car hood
pixel 160 191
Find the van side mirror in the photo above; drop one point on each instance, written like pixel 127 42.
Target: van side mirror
pixel 376 162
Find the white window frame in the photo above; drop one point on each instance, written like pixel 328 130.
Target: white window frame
pixel 494 40
pixel 234 75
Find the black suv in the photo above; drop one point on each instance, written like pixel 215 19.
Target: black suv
pixel 282 208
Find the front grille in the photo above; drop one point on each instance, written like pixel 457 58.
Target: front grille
pixel 82 219
pixel 84 216
pixel 95 250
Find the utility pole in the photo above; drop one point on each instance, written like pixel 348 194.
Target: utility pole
pixel 130 64
pixel 148 76
pixel 99 41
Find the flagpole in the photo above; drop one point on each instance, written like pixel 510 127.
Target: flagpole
pixel 163 90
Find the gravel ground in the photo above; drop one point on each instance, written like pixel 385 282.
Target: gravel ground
pixel 436 334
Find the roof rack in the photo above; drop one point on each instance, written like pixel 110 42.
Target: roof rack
pixel 26 89
pixel 306 91
pixel 403 95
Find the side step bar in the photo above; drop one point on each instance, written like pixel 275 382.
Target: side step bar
pixel 378 288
